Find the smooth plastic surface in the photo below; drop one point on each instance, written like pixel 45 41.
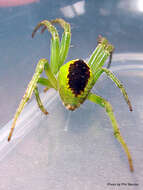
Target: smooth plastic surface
pixel 71 150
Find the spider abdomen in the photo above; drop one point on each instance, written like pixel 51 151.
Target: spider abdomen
pixel 75 80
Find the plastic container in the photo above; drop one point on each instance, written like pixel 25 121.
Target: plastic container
pixel 71 150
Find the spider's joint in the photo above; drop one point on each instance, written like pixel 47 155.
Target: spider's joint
pixel 109 48
pixel 104 42
pixel 41 65
pixel 108 107
pixel 116 133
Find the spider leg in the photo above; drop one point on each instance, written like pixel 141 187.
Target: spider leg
pixel 31 86
pixel 66 39
pixel 46 89
pixel 116 81
pixel 45 82
pixel 103 103
pixel 94 56
pixel 100 54
pixel 55 43
pixel 119 85
pixel 39 102
pixel 51 78
pixel 111 53
pixel 48 84
pixel 110 60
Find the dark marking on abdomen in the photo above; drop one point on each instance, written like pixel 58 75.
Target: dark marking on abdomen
pixel 78 76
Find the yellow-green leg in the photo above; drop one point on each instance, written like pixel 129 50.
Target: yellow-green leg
pixel 46 83
pixel 39 102
pixel 59 50
pixel 102 102
pixel 119 85
pixel 55 44
pixel 100 54
pixel 65 41
pixel 41 66
pixel 116 81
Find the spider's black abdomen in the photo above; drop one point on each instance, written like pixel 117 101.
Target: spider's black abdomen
pixel 78 76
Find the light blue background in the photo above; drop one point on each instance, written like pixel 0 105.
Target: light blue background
pixel 74 151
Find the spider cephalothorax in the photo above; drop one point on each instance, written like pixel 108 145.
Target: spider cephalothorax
pixel 75 79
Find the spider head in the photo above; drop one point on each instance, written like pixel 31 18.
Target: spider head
pixel 75 82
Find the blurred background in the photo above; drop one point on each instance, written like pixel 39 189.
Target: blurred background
pixel 86 162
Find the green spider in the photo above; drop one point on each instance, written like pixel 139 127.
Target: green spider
pixel 75 79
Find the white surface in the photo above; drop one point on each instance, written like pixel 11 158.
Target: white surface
pixel 77 150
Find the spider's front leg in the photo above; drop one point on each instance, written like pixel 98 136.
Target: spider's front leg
pixel 59 50
pixel 32 86
pixel 103 103
pixel 110 60
pixel 55 44
pixel 99 40
pixel 66 39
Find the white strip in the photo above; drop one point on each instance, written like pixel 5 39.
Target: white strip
pixel 29 116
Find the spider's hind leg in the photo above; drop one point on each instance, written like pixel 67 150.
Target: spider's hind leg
pixel 103 103
pixel 119 85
